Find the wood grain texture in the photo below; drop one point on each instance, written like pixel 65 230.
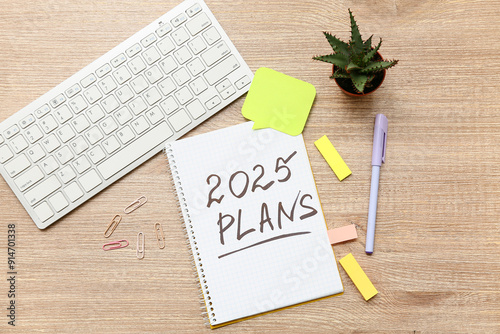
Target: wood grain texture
pixel 437 258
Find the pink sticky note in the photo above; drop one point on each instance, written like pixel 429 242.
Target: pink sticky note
pixel 342 234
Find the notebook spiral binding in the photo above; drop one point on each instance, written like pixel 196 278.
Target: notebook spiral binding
pixel 206 304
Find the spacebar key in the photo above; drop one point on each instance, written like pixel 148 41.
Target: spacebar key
pixel 133 151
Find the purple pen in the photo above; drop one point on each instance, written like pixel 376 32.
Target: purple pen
pixel 378 157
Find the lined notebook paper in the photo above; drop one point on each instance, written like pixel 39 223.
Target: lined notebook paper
pixel 253 220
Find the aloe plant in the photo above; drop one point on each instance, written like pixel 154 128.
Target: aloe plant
pixel 355 60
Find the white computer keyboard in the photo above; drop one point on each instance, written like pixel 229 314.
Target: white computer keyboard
pixel 117 112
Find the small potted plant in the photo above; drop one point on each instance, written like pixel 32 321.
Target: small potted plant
pixel 358 68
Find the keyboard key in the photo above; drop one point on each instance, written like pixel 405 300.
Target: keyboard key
pixel 34 134
pixel 50 143
pixel 154 115
pixel 43 211
pixel 42 111
pixel 153 74
pixel 181 76
pixel 139 84
pixel 152 96
pixel 18 143
pixel 183 95
pixel 80 123
pixel 182 55
pixel 144 143
pixel 107 84
pixel 211 35
pixel 90 180
pixel 198 86
pixel 165 46
pixel 213 102
pixel 215 53
pixel 136 65
pixel 178 20
pixel 35 153
pixel 199 23
pixel 49 165
pixel 125 135
pixel 92 94
pixel 30 178
pixel 110 103
pixel 93 135
pixel 151 55
pixel 163 30
pixel 108 125
pixel 180 36
pixel 5 153
pixel 63 114
pixel 140 125
pixel 169 105
pixel 133 50
pixel 48 124
pixel 95 113
pixel 148 40
pixel 138 105
pixel 28 120
pixel 65 133
pixel 122 74
pixel 223 85
pixel 124 94
pixel 42 190
pixel 167 86
pixel 103 70
pixel 66 174
pixel 96 154
pixel 111 144
pixel 228 92
pixel 12 131
pixel 197 45
pixel 179 120
pixel 79 145
pixel 78 104
pixel 221 70
pixel 242 82
pixel 196 109
pixel 168 64
pixel 81 164
pixel 118 60
pixel 73 192
pixel 88 80
pixel 17 165
pixel 123 115
pixel 1 140
pixel 64 155
pixel 58 202
pixel 73 90
pixel 57 101
pixel 193 10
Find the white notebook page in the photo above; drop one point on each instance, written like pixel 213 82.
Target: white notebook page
pixel 254 221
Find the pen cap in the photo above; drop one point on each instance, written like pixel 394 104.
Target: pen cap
pixel 379 140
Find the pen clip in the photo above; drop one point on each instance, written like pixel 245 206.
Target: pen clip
pixel 379 140
pixel 384 146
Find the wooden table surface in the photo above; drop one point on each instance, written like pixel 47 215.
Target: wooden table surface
pixel 437 258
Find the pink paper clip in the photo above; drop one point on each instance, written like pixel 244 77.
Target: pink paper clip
pixel 115 245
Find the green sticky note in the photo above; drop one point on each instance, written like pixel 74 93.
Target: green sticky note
pixel 276 100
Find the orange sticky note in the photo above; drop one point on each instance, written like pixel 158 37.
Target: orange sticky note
pixel 341 234
pixel 358 276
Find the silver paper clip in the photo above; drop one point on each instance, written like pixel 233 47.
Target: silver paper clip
pixel 140 245
pixel 135 204
pixel 115 245
pixel 160 236
pixel 112 226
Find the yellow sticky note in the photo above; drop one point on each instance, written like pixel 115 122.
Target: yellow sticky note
pixel 358 276
pixel 333 158
pixel 276 100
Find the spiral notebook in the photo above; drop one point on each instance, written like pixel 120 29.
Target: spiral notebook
pixel 253 220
